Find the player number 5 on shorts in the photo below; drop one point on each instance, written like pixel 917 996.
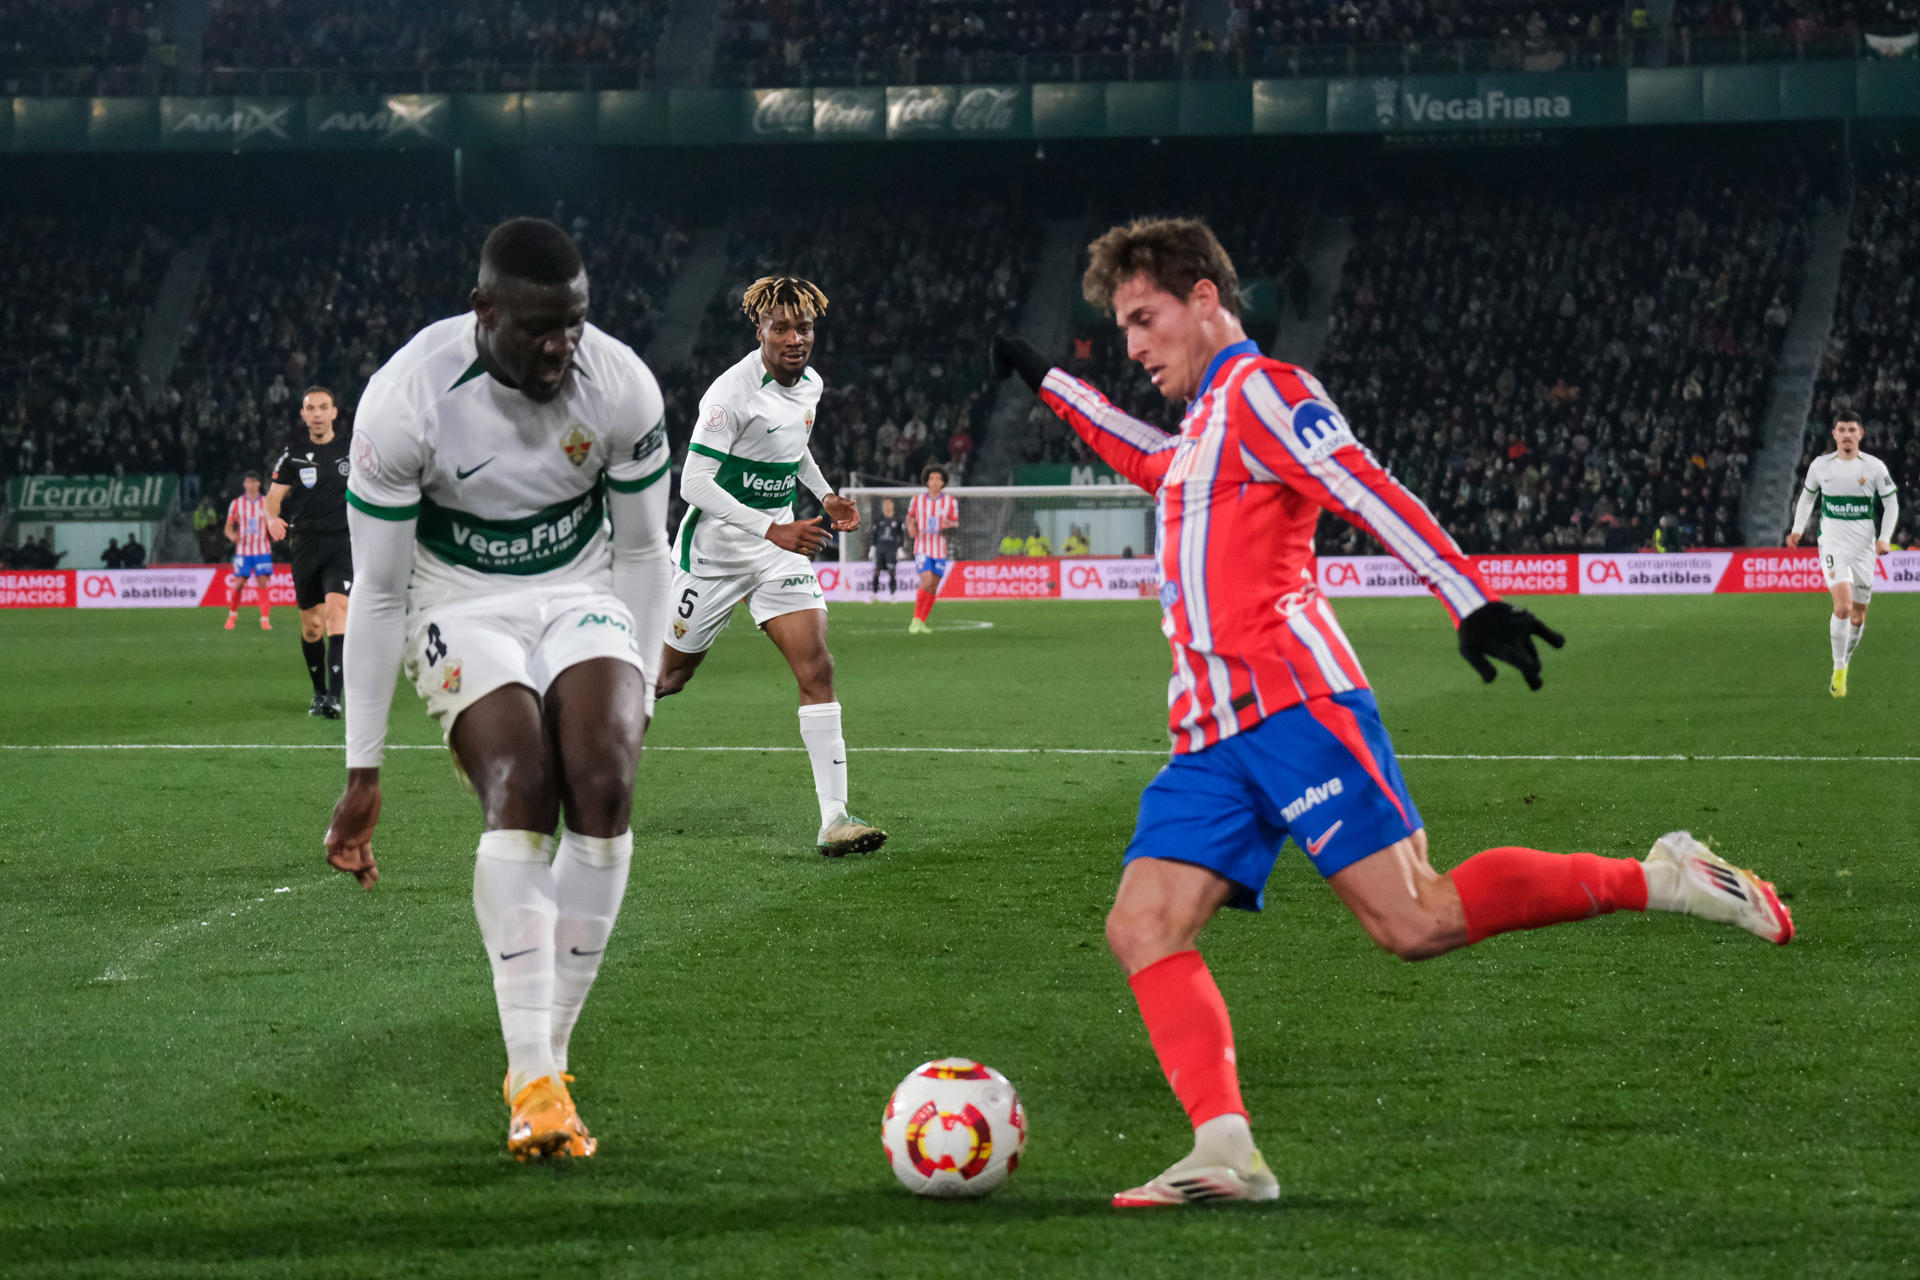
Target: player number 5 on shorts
pixel 687 598
pixel 436 647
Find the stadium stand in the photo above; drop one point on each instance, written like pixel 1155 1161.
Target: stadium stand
pixel 70 324
pixel 882 41
pixel 1872 366
pixel 89 39
pixel 1569 369
pixel 445 35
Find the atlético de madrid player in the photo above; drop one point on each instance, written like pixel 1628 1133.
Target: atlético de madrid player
pixel 1275 732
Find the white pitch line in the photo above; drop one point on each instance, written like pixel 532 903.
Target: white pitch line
pixel 129 970
pixel 1573 758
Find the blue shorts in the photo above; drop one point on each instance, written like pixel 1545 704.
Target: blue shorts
pixel 937 566
pixel 1322 772
pixel 253 566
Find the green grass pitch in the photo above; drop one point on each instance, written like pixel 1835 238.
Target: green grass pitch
pixel 226 1061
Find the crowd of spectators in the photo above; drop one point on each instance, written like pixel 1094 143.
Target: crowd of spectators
pixel 284 304
pixel 914 292
pixel 777 37
pixel 1581 367
pixel 431 33
pixel 74 33
pixel 71 315
pixel 1871 368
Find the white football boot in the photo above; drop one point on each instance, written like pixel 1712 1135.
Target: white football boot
pixel 1692 879
pixel 1187 1183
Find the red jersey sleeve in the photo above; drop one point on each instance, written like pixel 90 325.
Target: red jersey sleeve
pixel 1137 450
pixel 1291 433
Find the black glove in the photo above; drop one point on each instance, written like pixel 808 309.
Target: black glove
pixel 1499 630
pixel 1014 354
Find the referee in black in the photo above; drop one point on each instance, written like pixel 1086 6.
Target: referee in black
pixel 309 497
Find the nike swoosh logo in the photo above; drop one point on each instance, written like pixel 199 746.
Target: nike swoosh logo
pixel 1315 846
pixel 462 475
pixel 771 430
pixel 839 761
pixel 514 955
pixel 577 951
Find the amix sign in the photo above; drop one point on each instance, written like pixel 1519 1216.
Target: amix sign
pixel 92 497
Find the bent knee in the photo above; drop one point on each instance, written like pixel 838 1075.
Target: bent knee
pixel 1138 938
pixel 1411 938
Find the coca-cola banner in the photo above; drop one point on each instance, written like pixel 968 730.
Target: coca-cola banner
pixel 786 115
pixel 958 111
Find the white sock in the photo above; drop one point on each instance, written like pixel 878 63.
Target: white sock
pixel 589 880
pixel 1224 1140
pixel 513 899
pixel 1666 885
pixel 1837 633
pixel 820 730
pixel 1853 637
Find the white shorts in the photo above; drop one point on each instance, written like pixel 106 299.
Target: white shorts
pixel 459 651
pixel 1850 565
pixel 701 605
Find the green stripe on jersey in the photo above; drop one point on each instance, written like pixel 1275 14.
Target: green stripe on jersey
pixel 635 486
pixel 687 524
pixel 1846 507
pixel 359 503
pixel 543 541
pixel 766 486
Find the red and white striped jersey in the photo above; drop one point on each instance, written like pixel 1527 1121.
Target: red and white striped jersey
pixel 929 511
pixel 1260 452
pixel 250 515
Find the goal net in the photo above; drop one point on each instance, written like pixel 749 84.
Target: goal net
pixel 1115 521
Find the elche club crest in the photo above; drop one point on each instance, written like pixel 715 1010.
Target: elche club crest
pixel 809 425
pixel 577 444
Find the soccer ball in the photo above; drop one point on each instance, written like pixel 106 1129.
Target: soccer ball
pixel 954 1128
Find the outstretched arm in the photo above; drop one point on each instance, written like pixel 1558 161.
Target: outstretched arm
pixel 1294 435
pixel 1137 450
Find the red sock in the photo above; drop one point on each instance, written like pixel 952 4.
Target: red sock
pixel 1506 889
pixel 922 604
pixel 1187 1022
pixel 233 594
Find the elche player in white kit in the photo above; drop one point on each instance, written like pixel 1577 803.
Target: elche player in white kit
pixel 490 454
pixel 1848 486
pixel 739 540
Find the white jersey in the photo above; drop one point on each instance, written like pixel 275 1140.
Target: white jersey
pixel 757 430
pixel 509 493
pixel 1855 496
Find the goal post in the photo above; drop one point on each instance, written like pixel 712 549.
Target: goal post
pixel 1116 520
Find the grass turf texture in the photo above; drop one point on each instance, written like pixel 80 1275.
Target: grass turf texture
pixel 227 1061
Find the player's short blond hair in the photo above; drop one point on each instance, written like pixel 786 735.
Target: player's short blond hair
pixel 1175 253
pixel 803 297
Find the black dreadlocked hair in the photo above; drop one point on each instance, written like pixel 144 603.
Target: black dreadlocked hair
pixel 768 292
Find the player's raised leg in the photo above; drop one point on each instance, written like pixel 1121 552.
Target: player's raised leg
pixel 504 752
pixel 801 637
